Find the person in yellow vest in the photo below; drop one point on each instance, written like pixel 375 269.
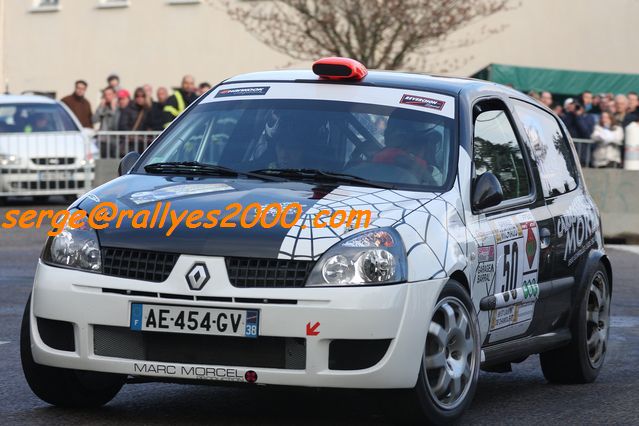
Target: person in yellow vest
pixel 180 99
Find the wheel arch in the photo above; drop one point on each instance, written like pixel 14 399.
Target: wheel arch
pixel 587 268
pixel 606 263
pixel 461 278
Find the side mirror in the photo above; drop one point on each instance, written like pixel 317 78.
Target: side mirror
pixel 127 162
pixel 487 191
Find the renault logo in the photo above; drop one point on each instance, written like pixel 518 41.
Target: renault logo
pixel 197 276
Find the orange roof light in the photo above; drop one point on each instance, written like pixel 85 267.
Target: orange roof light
pixel 336 68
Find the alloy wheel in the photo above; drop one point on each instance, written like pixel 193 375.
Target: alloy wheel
pixel 597 319
pixel 451 353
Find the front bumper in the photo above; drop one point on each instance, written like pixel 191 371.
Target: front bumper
pixel 26 182
pixel 400 313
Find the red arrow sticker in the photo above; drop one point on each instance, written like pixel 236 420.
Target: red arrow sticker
pixel 312 331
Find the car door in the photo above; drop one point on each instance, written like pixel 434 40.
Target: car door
pixel 575 216
pixel 511 259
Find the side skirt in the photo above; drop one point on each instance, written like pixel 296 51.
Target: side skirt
pixel 518 348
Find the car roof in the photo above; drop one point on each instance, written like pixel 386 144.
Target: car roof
pixel 26 99
pixel 403 80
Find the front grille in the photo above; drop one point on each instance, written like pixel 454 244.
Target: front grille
pixel 53 161
pixel 137 264
pixel 253 272
pixel 263 351
pixel 46 185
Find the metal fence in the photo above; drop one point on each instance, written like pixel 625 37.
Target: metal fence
pixel 42 164
pixel 584 150
pixel 115 145
pixel 61 163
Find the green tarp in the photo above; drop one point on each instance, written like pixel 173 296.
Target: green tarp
pixel 562 82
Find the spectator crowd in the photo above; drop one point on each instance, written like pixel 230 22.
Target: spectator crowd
pixel 610 121
pixel 143 111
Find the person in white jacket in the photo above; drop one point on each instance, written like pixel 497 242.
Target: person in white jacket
pixel 631 159
pixel 608 139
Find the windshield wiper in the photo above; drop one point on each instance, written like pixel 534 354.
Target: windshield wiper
pixel 195 167
pixel 322 176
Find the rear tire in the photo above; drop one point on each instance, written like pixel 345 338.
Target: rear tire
pixel 64 387
pixel 450 363
pixel 582 359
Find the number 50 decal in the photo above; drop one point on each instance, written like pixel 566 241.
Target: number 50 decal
pixel 510 265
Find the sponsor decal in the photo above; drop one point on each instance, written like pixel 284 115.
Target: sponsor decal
pixel 93 197
pixel 530 289
pixel 422 102
pixel 511 315
pixel 579 225
pixel 485 273
pixel 485 254
pixel 312 330
pixel 503 317
pixel 174 191
pixel 527 293
pixel 505 229
pixel 242 91
pixel 195 372
pixel 250 376
pixel 516 260
pixel 531 247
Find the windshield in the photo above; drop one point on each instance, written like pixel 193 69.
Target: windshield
pixel 407 148
pixel 32 118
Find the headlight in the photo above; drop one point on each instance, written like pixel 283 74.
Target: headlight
pixel 7 160
pixel 74 248
pixel 372 257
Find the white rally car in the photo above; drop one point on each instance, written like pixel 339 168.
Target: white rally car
pixel 484 247
pixel 43 149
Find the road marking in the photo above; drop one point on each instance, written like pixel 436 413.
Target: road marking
pixel 4 343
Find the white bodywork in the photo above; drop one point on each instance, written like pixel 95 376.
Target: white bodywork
pixel 441 237
pixel 45 163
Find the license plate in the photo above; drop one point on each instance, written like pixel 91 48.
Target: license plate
pixel 49 176
pixel 194 320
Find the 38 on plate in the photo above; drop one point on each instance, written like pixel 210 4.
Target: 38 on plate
pixel 194 320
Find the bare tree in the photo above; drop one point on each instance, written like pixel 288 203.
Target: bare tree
pixel 384 34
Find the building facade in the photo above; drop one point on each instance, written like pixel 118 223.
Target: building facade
pixel 45 45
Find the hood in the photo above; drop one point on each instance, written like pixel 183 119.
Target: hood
pixel 137 192
pixel 43 145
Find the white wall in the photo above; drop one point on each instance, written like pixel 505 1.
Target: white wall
pixel 149 42
pixel 155 42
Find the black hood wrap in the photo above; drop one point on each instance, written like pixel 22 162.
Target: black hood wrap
pixel 254 242
pixel 303 241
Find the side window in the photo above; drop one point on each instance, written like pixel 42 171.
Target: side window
pixel 496 150
pixel 552 151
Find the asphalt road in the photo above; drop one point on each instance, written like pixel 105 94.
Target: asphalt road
pixel 520 397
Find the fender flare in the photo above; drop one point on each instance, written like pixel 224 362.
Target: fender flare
pixel 587 267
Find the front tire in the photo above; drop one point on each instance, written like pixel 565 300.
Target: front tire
pixel 64 387
pixel 582 359
pixel 450 361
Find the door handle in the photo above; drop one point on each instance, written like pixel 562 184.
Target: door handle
pixel 544 238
